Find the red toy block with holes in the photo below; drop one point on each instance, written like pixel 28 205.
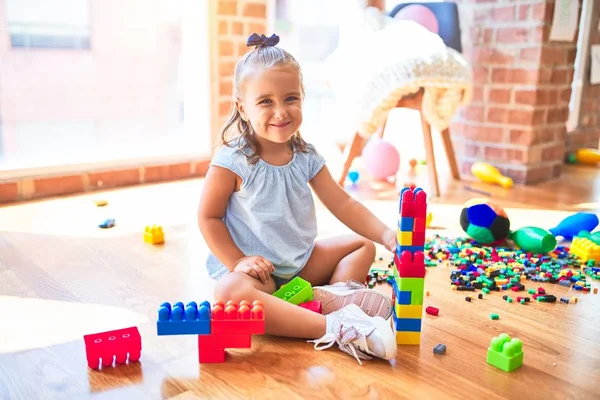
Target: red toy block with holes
pixel 208 356
pixel 224 342
pixel 119 344
pixel 413 203
pixel 312 305
pixel 243 319
pixel 410 265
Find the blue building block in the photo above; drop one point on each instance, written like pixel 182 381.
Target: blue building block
pixel 406 224
pixel 407 324
pixel 412 249
pixel 402 298
pixel 195 320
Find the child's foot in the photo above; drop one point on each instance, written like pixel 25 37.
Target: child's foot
pixel 340 294
pixel 358 334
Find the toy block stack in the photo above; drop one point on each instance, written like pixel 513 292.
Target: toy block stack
pixel 409 267
pixel 220 327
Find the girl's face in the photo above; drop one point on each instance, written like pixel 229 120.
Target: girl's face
pixel 271 101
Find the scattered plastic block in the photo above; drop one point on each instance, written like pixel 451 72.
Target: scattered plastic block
pixel 179 320
pixel 107 223
pixel 296 291
pixel 154 234
pixel 432 310
pixel 439 349
pixel 505 353
pixel 120 346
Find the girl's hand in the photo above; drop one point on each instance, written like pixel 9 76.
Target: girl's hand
pixel 389 240
pixel 256 266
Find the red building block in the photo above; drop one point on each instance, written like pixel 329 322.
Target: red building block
pixel 118 343
pixel 208 355
pixel 418 239
pixel 432 310
pixel 410 265
pixel 245 319
pixel 413 203
pixel 224 342
pixel 419 225
pixel 312 306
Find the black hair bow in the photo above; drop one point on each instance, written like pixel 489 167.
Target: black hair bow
pixel 258 40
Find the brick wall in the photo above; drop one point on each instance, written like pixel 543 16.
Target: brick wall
pixel 523 84
pixel 588 132
pixel 236 21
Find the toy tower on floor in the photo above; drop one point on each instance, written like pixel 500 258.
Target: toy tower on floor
pixel 409 267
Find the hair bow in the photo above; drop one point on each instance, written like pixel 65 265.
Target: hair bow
pixel 257 40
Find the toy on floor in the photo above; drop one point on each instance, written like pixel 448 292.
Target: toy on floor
pixel 439 349
pixel 585 249
pixel 123 345
pixel 584 156
pixel 101 203
pixel 533 239
pixel 409 267
pixel 573 224
pixel 220 327
pixel 154 234
pixel 490 174
pixel 505 353
pixel 354 176
pixel 485 221
pixel 107 223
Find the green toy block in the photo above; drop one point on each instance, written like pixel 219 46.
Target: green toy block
pixel 505 353
pixel 296 291
pixel 414 285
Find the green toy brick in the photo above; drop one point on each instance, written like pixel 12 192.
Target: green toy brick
pixel 416 286
pixel 296 291
pixel 505 353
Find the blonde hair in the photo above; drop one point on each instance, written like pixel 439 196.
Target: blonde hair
pixel 237 130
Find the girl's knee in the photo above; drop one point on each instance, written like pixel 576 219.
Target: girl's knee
pixel 369 247
pixel 233 286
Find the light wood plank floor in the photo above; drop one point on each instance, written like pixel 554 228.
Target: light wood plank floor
pixel 61 277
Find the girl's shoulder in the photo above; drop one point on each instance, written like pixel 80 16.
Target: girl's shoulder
pixel 231 156
pixel 311 160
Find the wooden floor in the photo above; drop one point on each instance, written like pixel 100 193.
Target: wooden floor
pixel 61 277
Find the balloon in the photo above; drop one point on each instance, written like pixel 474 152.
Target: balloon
pixel 382 159
pixel 421 15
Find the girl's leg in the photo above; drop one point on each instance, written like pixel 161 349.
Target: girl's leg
pixel 339 259
pixel 279 314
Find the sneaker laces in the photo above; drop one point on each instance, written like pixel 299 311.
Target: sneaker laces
pixel 344 337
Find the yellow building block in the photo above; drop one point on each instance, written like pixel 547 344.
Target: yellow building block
pixel 410 338
pixel 154 234
pixel 585 249
pixel 404 238
pixel 409 311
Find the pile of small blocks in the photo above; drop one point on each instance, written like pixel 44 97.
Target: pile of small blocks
pixel 220 327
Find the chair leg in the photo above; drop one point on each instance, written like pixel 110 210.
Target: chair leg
pixel 450 155
pixel 433 178
pixel 352 152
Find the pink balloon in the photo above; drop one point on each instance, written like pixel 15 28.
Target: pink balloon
pixel 421 15
pixel 382 159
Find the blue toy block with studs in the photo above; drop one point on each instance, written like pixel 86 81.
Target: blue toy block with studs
pixel 193 319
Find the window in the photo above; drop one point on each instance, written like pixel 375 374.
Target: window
pixel 59 24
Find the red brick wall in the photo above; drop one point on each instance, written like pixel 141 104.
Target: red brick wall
pixel 523 84
pixel 588 132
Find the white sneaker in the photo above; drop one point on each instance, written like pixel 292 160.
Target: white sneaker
pixel 340 294
pixel 358 334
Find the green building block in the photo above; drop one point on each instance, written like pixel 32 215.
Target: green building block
pixel 296 291
pixel 494 316
pixel 414 285
pixel 505 353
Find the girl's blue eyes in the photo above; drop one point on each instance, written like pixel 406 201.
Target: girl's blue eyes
pixel 268 101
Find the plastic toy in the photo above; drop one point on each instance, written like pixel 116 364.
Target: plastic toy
pixel 312 306
pixel 408 280
pixel 485 221
pixel 432 310
pixel 505 353
pixel 585 249
pixel 421 15
pixel 177 320
pixel 490 174
pixel 101 203
pixel 439 349
pixel 296 291
pixel 230 318
pixel 123 345
pixel 584 156
pixel 108 223
pixel 573 224
pixel 154 234
pixel 353 175
pixel 533 239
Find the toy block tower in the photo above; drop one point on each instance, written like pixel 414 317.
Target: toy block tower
pixel 409 267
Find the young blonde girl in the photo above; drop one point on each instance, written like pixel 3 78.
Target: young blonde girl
pixel 257 215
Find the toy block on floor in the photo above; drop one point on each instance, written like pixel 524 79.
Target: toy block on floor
pixel 245 319
pixel 585 249
pixel 122 344
pixel 406 324
pixel 505 353
pixel 224 341
pixel 402 298
pixel 413 203
pixel 211 355
pixel 296 291
pixel 410 265
pixel 408 311
pixel 408 338
pixel 177 320
pixel 154 234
